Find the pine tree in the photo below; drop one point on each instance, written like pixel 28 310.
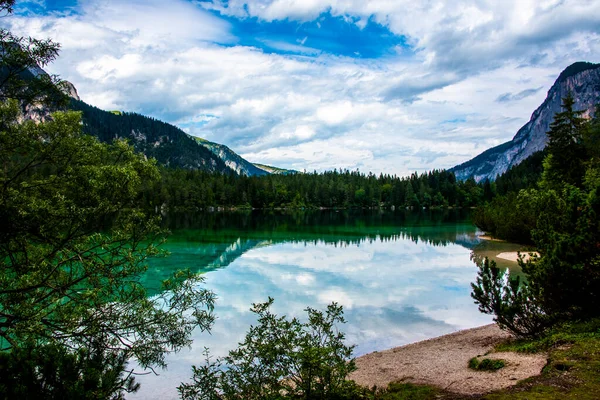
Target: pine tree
pixel 566 153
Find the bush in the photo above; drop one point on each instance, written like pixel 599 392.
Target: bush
pixel 407 391
pixel 56 372
pixel 486 364
pixel 281 358
pixel 514 305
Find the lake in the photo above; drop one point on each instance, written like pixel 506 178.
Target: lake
pixel 400 276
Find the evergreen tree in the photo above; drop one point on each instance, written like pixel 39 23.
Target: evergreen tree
pixel 564 163
pixel 563 284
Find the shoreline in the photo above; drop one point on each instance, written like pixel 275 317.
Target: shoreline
pixel 443 362
pixel 514 255
pixel 490 239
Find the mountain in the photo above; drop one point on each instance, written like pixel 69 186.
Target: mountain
pixel 171 146
pixel 275 170
pixel 231 158
pixel 581 79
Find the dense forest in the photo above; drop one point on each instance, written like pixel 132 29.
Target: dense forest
pixel 193 178
pixel 194 190
pixel 184 189
pixel 570 159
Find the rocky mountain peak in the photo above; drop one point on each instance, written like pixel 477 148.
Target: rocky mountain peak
pixel 581 79
pixel 69 89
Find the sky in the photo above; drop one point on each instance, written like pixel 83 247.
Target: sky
pixel 384 86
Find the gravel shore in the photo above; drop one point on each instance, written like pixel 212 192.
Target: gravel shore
pixel 443 362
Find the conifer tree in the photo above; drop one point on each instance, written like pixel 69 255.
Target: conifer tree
pixel 566 153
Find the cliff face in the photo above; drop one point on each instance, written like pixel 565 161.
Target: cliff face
pixel 232 159
pixel 69 89
pixel 275 170
pixel 582 80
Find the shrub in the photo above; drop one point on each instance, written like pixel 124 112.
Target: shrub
pixel 512 302
pixel 486 364
pixel 281 358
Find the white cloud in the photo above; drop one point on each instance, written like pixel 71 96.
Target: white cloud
pixel 430 107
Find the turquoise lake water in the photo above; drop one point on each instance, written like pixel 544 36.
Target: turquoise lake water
pixel 401 276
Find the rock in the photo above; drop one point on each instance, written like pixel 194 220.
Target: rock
pixel 69 89
pixel 581 79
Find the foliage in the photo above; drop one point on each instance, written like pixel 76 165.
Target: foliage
pixel 487 364
pixel 55 372
pixel 562 284
pixel 281 358
pixel 566 333
pixel 508 217
pixel 567 276
pixel 507 213
pixel 193 190
pixel 407 391
pixel 525 175
pixel 514 305
pixel 20 60
pixel 566 152
pixel 73 244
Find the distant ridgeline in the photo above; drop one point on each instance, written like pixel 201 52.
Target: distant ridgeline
pixel 581 79
pixel 198 174
pixel 168 144
pixel 171 146
pixel 231 159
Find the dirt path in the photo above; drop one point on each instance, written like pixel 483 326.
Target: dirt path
pixel 443 361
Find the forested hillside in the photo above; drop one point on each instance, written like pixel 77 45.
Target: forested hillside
pixel 569 162
pixel 168 144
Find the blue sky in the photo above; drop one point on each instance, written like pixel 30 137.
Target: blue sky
pixel 326 34
pixel 382 86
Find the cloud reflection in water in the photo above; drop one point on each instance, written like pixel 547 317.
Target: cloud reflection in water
pixel 393 291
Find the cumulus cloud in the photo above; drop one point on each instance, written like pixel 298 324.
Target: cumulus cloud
pixel 298 106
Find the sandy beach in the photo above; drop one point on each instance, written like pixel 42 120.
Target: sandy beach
pixel 514 256
pixel 443 362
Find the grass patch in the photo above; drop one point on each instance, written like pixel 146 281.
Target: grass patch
pixel 564 335
pixel 408 391
pixel 486 364
pixel 573 370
